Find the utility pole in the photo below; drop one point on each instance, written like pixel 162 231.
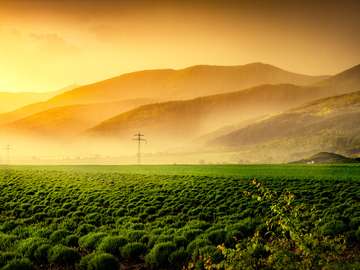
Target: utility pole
pixel 7 149
pixel 139 138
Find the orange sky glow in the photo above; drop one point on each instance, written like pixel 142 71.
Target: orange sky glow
pixel 46 45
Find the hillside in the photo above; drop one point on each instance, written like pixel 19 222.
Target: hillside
pixel 10 101
pixel 185 83
pixel 167 84
pixel 344 82
pixel 186 120
pixel 331 124
pixel 67 121
pixel 326 158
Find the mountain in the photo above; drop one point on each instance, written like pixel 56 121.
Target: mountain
pixel 10 101
pixel 167 84
pixel 331 124
pixel 195 81
pixel 327 158
pixel 344 82
pixel 67 121
pixel 185 120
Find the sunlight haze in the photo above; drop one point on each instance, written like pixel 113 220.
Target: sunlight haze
pixel 48 45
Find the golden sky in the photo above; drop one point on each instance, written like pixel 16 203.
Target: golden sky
pixel 46 45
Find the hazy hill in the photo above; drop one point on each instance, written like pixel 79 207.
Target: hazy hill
pixel 70 120
pixel 327 158
pixel 344 82
pixel 167 84
pixel 10 101
pixel 184 120
pixel 185 83
pixel 331 124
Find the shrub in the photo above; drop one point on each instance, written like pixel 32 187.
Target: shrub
pixel 71 241
pixel 357 234
pixel 178 258
pixel 136 235
pixel 103 261
pixel 58 236
pixel 84 262
pixel 85 229
pixel 192 234
pixel 28 246
pixel 93 218
pixel 333 228
pixel 5 257
pixel 180 241
pixel 210 252
pixel 159 255
pixel 18 264
pixel 137 226
pixel 6 240
pixel 91 240
pixel 132 250
pixel 41 253
pixel 8 226
pixel 244 228
pixel 354 222
pixel 196 244
pixel 217 237
pixel 60 254
pixel 112 244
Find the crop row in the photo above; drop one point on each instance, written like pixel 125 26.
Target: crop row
pixel 110 220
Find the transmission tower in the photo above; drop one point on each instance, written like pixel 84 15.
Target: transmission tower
pixel 7 149
pixel 139 138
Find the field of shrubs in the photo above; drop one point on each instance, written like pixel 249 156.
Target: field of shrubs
pixel 198 218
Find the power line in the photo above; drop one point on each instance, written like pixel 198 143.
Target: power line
pixel 7 149
pixel 139 138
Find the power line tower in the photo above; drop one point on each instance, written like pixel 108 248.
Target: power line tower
pixel 139 138
pixel 7 149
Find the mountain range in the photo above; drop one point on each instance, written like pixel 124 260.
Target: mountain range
pixel 254 108
pixel 167 84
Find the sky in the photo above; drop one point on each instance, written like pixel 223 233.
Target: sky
pixel 47 45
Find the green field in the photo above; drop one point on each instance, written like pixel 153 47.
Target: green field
pixel 180 217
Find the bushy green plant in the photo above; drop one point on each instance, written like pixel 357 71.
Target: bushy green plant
pixel 63 255
pixel 91 240
pixel 18 264
pixel 217 237
pixel 58 236
pixel 71 240
pixel 27 247
pixel 133 250
pixel 158 256
pixel 333 227
pixel 84 261
pixel 112 244
pixel 210 252
pixel 136 235
pixel 196 244
pixel 103 261
pixel 5 257
pixel 41 253
pixel 180 241
pixel 7 240
pixel 84 229
pixel 178 258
